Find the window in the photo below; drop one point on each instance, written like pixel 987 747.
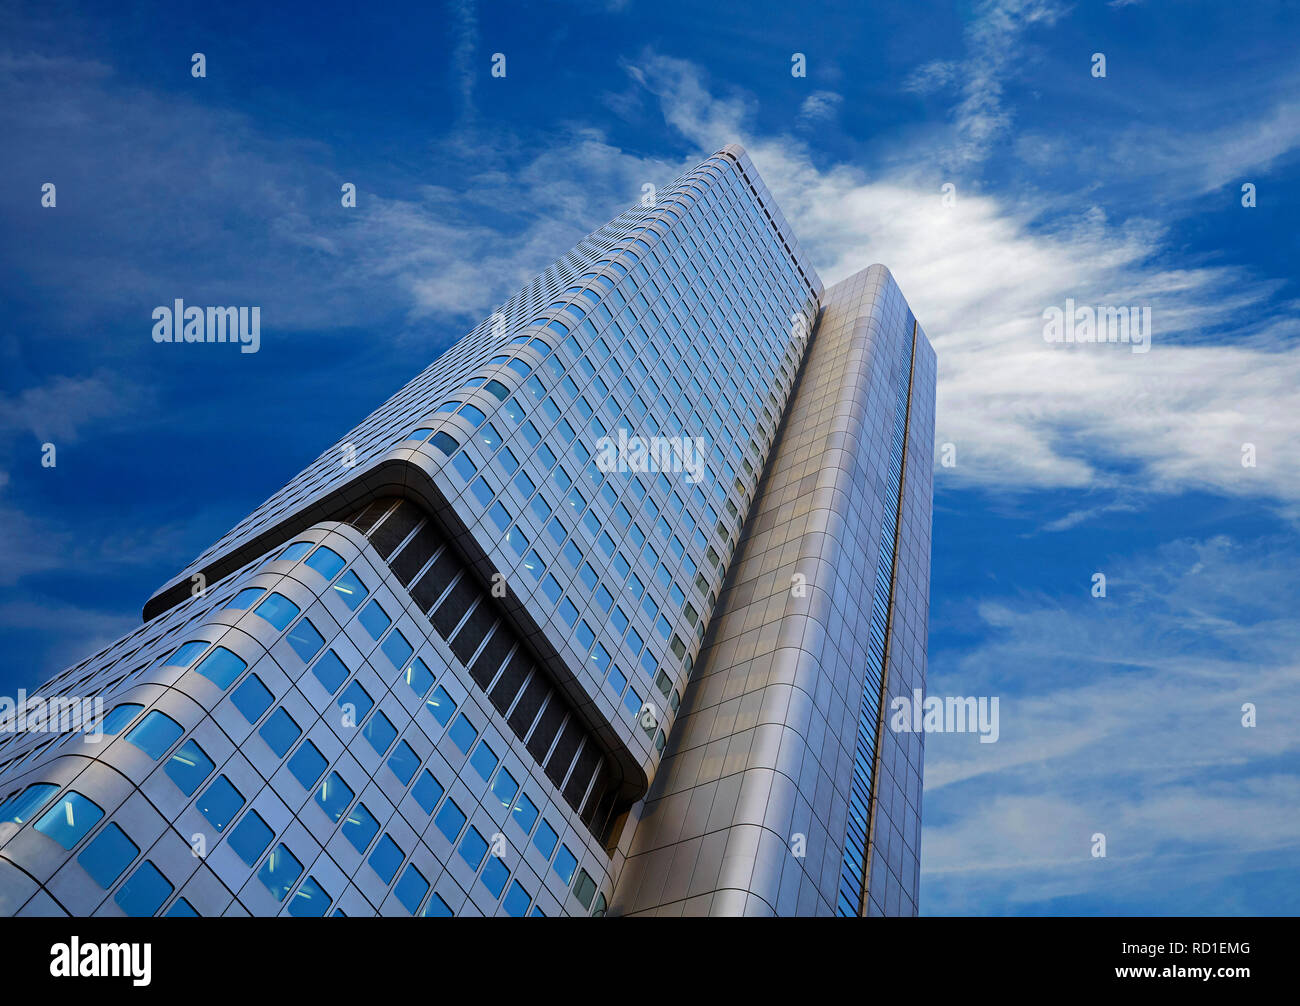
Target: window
pixel 450 820
pixel 310 901
pixel 386 858
pixel 296 551
pixel 473 847
pixel 186 655
pixel 245 598
pixel 334 796
pixel 278 610
pixel 305 640
pixel 494 876
pixel 118 718
pixel 360 827
pixel 155 734
pixel 427 791
pixel 585 889
pixel 359 699
pixel 326 562
pixel 437 908
pixel 252 698
pixel 307 765
pixel 280 872
pixel 280 731
pixel 68 820
pixel 330 671
pixel 144 892
pixel 221 667
pixel 525 813
pixel 251 837
pixel 188 767
pixel 380 732
pixel 463 733
pixel 375 619
pixel 181 909
pixel 220 803
pixel 440 706
pixel 21 807
pixel 350 590
pixel 410 890
pixel 545 838
pixel 516 903
pixel 418 676
pixel 564 864
pixel 403 761
pixel 445 442
pixel 504 788
pixel 397 649
pixel 108 854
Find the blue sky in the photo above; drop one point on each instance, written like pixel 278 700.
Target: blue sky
pixel 1119 715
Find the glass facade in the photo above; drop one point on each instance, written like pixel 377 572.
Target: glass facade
pixel 444 670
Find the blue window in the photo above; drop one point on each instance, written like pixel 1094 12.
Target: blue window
pixel 440 706
pixel 545 838
pixel 119 718
pixel 564 864
pixel 280 731
pixel 418 676
pixel 504 788
pixel 334 796
pixel 403 761
pixel 330 671
pixel 108 854
pixel 251 837
pixel 359 699
pixel 516 903
pixel 386 858
pixel 326 562
pixel 397 649
pixel 375 619
pixel 350 589
pixel 305 640
pixel 446 443
pixel 68 820
pixel 155 734
pixel 22 807
pixel 437 908
pixel 360 827
pixel 380 732
pixel 220 803
pixel 187 654
pixel 252 698
pixel 278 610
pixel 221 667
pixel 188 767
pixel 410 890
pixel 310 901
pixel 463 733
pixel 427 791
pixel 296 551
pixel 473 847
pixel 494 876
pixel 472 415
pixel 245 598
pixel 484 760
pixel 280 872
pixel 525 813
pixel 181 909
pixel 308 765
pixel 144 891
pixel 450 820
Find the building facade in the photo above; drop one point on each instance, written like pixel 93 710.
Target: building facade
pixel 597 615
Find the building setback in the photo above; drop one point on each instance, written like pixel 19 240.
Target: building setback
pixel 474 661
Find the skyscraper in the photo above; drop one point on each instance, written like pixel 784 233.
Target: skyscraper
pixel 597 615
